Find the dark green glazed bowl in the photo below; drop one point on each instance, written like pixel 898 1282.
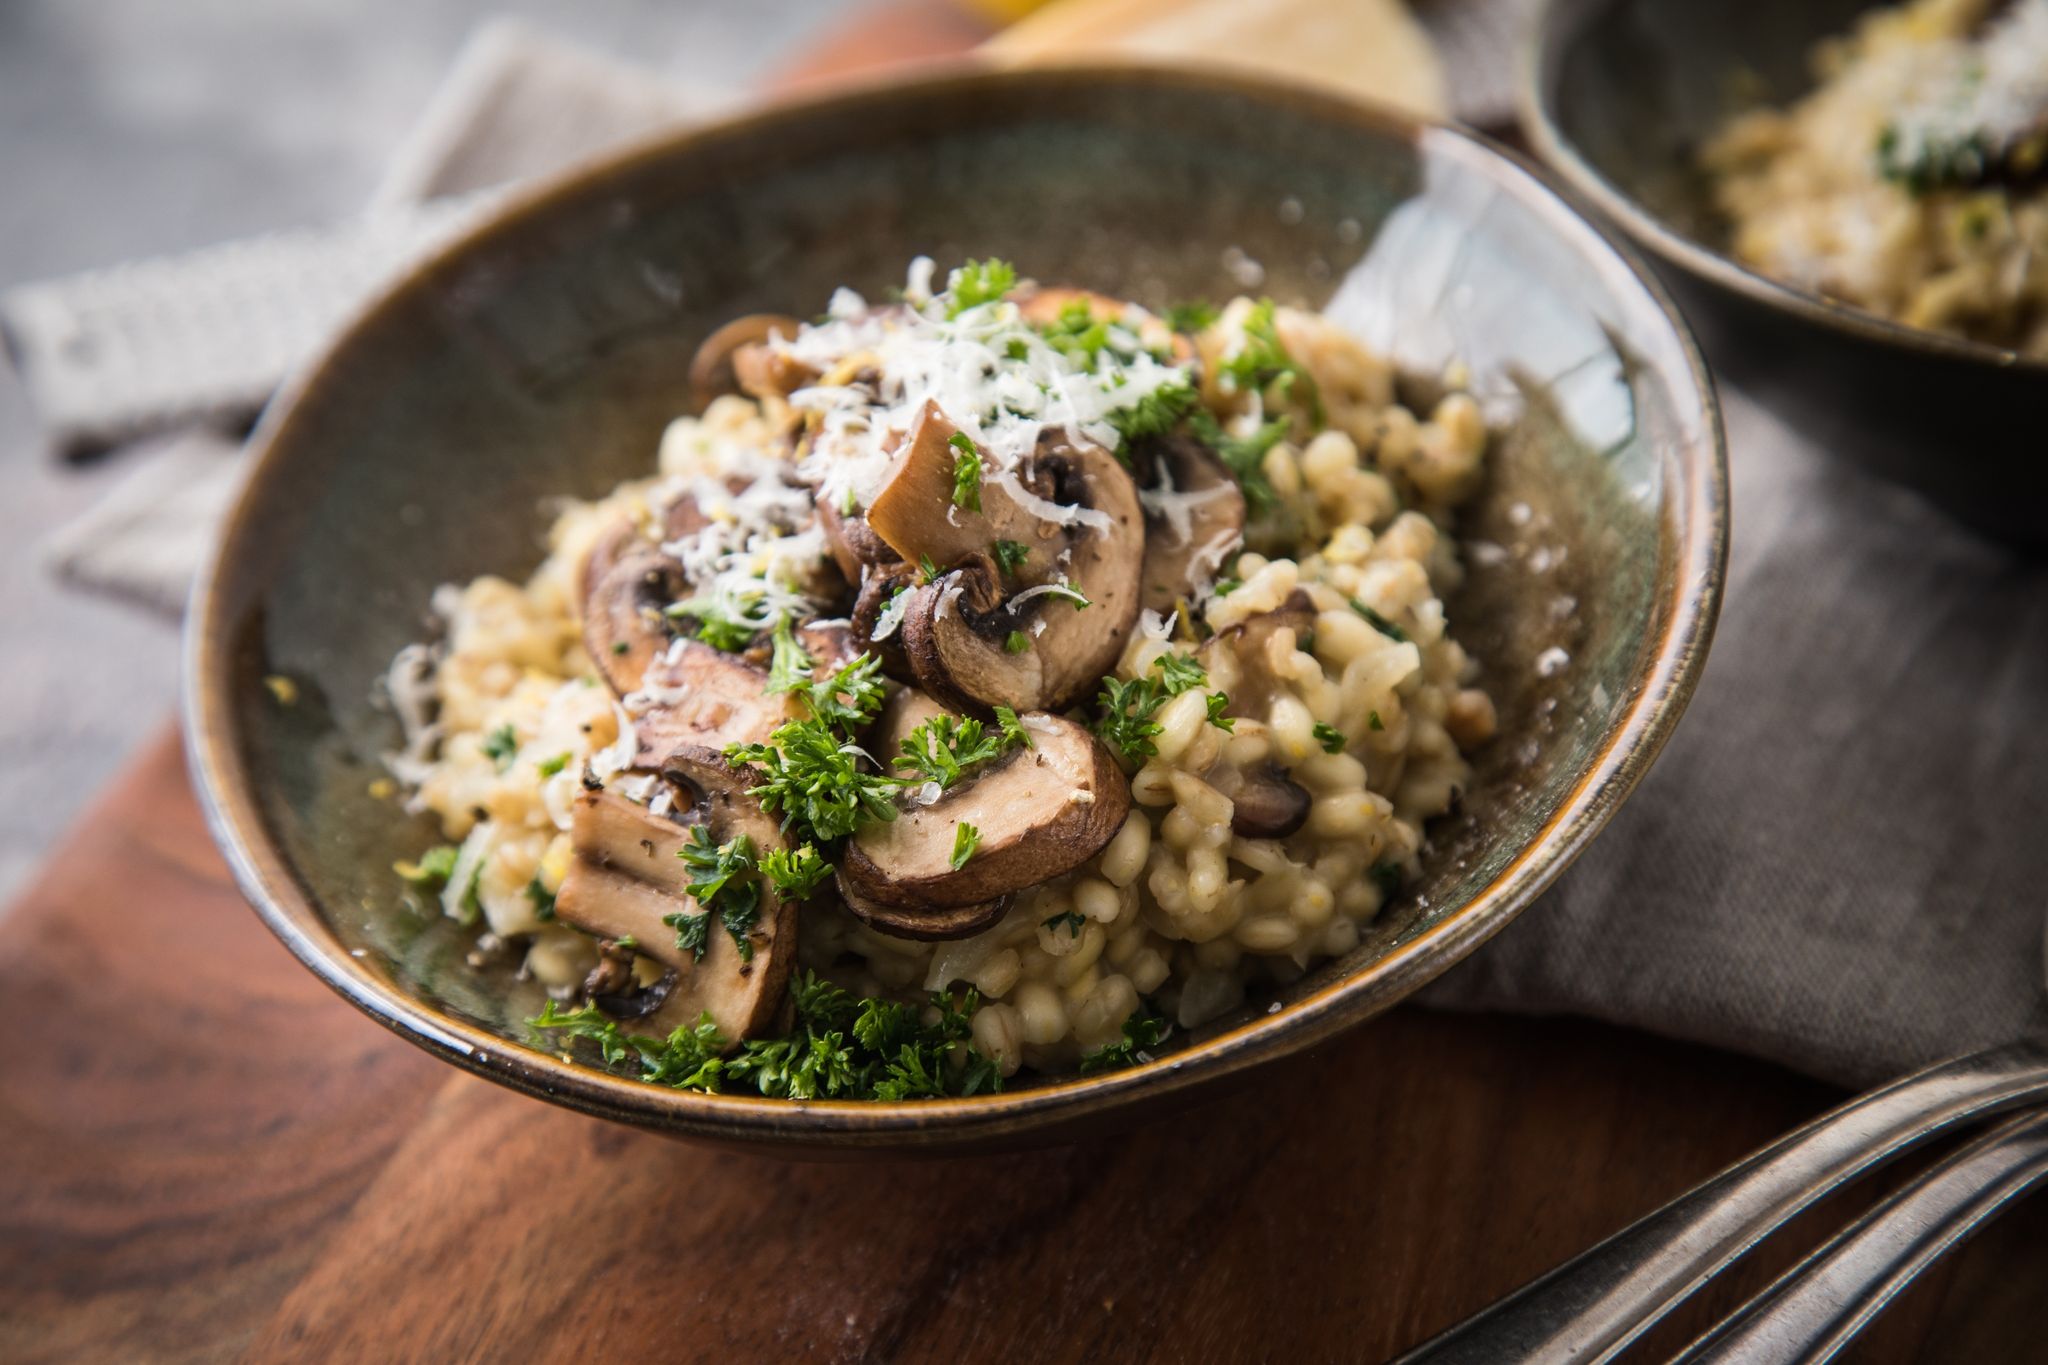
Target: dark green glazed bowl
pixel 543 354
pixel 1619 95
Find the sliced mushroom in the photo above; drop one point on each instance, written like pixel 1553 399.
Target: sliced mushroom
pixel 854 545
pixel 626 583
pixel 697 696
pixel 878 588
pixel 1248 640
pixel 737 356
pixel 628 874
pixel 1265 802
pixel 924 925
pixel 1194 518
pixel 977 637
pixel 1040 812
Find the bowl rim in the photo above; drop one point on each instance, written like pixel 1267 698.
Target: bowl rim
pixel 1547 36
pixel 1694 536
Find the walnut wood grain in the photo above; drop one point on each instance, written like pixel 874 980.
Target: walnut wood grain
pixel 210 1156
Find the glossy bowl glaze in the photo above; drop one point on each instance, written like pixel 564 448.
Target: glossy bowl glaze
pixel 1619 96
pixel 543 354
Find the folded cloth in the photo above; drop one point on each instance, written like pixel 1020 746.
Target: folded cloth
pixel 1840 860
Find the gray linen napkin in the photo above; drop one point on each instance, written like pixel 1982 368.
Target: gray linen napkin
pixel 1841 861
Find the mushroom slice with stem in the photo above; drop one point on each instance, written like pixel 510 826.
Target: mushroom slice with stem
pixel 628 873
pixel 627 581
pixel 1265 803
pixel 1039 632
pixel 1039 812
pixel 737 356
pixel 694 695
pixel 1194 518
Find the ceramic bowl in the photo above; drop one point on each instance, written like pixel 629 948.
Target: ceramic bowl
pixel 543 353
pixel 1619 95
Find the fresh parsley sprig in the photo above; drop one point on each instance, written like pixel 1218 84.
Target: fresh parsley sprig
pixel 1143 1031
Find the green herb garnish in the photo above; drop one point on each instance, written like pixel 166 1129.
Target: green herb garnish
pixel 501 746
pixel 1218 703
pixel 1016 642
pixel 942 749
pixel 1379 622
pixel 548 767
pixel 1073 921
pixel 966 838
pixel 1197 316
pixel 1263 363
pixel 1244 456
pixel 1142 1032
pixel 720 885
pixel 978 283
pixel 795 872
pixel 542 898
pixel 1329 736
pixel 966 471
pixel 715 626
pixel 433 869
pixel 790 668
pixel 1010 556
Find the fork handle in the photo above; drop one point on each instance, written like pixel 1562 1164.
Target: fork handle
pixel 1813 1310
pixel 1592 1306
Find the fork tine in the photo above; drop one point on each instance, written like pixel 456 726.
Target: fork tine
pixel 1815 1308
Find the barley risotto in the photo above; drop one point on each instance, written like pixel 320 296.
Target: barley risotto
pixel 1913 181
pixel 995 678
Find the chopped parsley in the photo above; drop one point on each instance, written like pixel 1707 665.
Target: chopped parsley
pixel 840 1049
pixel 943 748
pixel 550 766
pixel 1127 721
pixel 1263 363
pixel 812 768
pixel 927 572
pixel 1196 316
pixel 795 872
pixel 1143 1031
pixel 542 898
pixel 1155 414
pixel 1223 587
pixel 1373 721
pixel 720 885
pixel 714 626
pixel 1010 556
pixel 966 838
pixel 966 471
pixel 1016 642
pixel 978 283
pixel 501 746
pixel 1934 163
pixel 1379 622
pixel 433 869
pixel 1329 736
pixel 1068 593
pixel 1015 736
pixel 1073 921
pixel 1218 703
pixel 621 646
pixel 790 668
pixel 1244 456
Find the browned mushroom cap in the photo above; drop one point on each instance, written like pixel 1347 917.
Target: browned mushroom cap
pixel 697 696
pixel 626 583
pixel 878 588
pixel 628 873
pixel 1194 518
pixel 924 925
pixel 736 356
pixel 1248 640
pixel 1040 812
pixel 979 638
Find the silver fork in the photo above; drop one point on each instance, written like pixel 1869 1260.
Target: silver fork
pixel 1593 1306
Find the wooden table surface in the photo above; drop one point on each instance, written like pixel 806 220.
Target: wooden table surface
pixel 212 1157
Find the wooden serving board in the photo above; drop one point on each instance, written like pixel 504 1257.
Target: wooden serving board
pixel 209 1156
